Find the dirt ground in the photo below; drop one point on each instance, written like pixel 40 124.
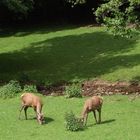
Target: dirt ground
pixel 101 87
pixel 95 87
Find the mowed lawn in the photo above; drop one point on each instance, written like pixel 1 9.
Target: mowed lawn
pixel 69 53
pixel 120 120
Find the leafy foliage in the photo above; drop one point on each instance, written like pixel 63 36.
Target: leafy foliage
pixel 75 2
pixel 72 122
pixel 30 88
pixel 73 91
pixel 117 15
pixel 10 90
pixel 18 6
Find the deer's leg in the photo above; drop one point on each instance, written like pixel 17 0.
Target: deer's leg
pixel 38 110
pixel 85 118
pixel 22 107
pixel 99 110
pixel 95 115
pixel 25 110
pixel 35 112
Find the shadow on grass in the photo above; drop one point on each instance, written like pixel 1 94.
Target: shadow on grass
pixel 21 31
pixel 48 120
pixel 103 122
pixel 108 121
pixel 70 57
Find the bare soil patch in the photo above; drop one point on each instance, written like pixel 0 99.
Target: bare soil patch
pixel 95 87
pixel 100 87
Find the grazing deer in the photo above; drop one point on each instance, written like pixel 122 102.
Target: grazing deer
pixel 91 105
pixel 31 100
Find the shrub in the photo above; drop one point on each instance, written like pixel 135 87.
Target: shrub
pixel 30 88
pixel 10 90
pixel 73 91
pixel 72 122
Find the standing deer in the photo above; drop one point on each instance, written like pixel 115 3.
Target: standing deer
pixel 91 105
pixel 31 100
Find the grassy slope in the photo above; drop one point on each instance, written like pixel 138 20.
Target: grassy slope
pixel 120 120
pixel 67 53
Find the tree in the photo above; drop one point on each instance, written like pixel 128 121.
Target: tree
pixel 21 7
pixel 75 2
pixel 119 16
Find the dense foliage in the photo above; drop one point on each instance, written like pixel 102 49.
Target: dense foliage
pixel 75 2
pixel 22 7
pixel 30 88
pixel 72 122
pixel 10 90
pixel 46 10
pixel 13 88
pixel 73 91
pixel 119 15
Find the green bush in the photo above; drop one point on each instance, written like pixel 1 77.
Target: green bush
pixel 117 15
pixel 30 88
pixel 73 91
pixel 72 122
pixel 10 90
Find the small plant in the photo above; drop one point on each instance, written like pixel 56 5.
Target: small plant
pixel 73 91
pixel 10 90
pixel 30 88
pixel 72 122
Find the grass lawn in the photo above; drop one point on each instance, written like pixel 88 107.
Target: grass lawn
pixel 70 53
pixel 120 120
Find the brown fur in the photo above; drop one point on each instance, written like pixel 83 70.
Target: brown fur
pixel 31 100
pixel 91 105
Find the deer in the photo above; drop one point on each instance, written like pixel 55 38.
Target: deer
pixel 91 105
pixel 31 100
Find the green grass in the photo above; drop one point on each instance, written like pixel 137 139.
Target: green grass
pixel 120 120
pixel 67 53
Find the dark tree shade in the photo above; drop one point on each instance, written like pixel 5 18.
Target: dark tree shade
pixel 47 10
